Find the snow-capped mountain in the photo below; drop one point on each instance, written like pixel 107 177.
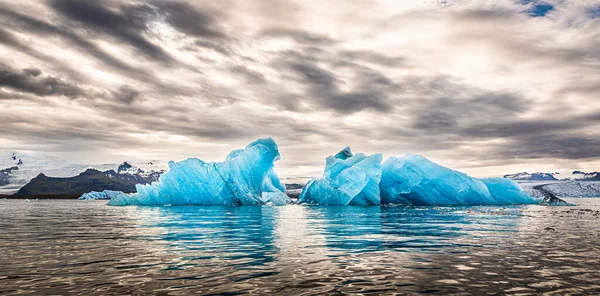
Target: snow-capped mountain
pixel 573 176
pixel 582 176
pixel 17 169
pixel 532 177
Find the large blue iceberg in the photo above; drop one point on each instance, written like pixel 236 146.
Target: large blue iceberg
pixel 246 177
pixel 348 180
pixel 415 180
pixel 411 180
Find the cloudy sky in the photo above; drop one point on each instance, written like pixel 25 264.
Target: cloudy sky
pixel 489 87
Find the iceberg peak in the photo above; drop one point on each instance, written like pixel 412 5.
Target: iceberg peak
pixel 344 153
pixel 347 180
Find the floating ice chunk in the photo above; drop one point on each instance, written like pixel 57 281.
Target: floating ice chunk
pixel 348 180
pixel 554 201
pixel 106 194
pixel 246 177
pixel 415 180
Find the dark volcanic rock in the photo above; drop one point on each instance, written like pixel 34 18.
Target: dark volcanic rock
pixel 550 199
pixel 90 180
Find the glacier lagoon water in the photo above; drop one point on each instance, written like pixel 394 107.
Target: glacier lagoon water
pixel 86 248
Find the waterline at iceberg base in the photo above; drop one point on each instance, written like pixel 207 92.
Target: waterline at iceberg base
pixel 246 177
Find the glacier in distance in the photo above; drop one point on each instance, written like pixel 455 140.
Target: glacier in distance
pixel 246 177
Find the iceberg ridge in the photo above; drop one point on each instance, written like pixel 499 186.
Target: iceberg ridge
pixel 246 177
pixel 348 180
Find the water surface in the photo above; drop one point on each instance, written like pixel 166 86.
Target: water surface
pixel 88 248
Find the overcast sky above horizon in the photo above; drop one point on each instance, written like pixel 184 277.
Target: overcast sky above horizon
pixel 488 87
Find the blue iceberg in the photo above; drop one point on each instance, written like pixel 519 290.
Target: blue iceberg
pixel 246 177
pixel 103 195
pixel 415 180
pixel 411 180
pixel 348 180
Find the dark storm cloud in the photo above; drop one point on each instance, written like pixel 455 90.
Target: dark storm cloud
pixel 126 94
pixel 301 37
pixel 43 29
pixel 563 146
pixel 217 47
pixel 439 105
pixel 314 75
pixel 43 86
pixel 435 120
pixel 323 86
pixel 188 19
pixel 251 76
pixel 123 25
pixel 35 72
pixel 9 39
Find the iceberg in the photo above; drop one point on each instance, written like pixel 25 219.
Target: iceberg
pixel 411 180
pixel 415 180
pixel 348 180
pixel 246 177
pixel 106 194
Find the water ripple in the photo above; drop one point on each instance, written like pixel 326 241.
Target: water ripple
pixel 87 248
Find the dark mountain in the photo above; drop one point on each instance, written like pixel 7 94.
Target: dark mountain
pixel 90 180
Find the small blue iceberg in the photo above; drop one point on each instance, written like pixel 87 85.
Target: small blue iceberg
pixel 103 195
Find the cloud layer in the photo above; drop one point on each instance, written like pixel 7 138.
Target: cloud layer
pixel 490 88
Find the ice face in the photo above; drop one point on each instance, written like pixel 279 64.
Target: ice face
pixel 506 191
pixel 348 180
pixel 246 177
pixel 415 180
pixel 106 194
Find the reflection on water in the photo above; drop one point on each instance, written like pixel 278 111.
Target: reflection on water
pixel 76 247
